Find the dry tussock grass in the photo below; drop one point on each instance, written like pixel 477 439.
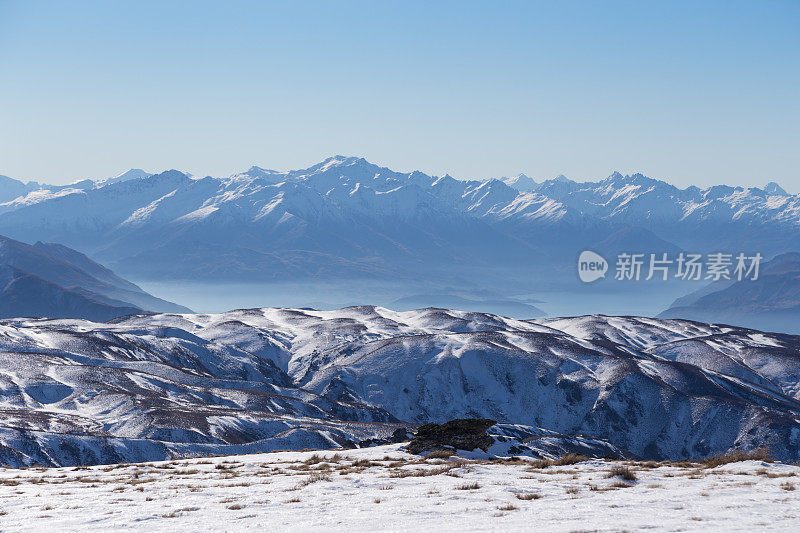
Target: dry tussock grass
pixel 623 472
pixel 620 485
pixel 313 478
pixel 442 453
pixel 364 463
pixel 737 456
pixel 569 459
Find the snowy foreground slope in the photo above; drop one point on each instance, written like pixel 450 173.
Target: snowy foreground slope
pixel 144 388
pixel 383 488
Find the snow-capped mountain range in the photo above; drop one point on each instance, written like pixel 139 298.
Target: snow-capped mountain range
pixel 348 218
pixel 151 387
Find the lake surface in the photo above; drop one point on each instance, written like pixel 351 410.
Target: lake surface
pixel 646 299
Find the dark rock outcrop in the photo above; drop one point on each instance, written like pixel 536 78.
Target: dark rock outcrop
pixel 400 434
pixel 461 434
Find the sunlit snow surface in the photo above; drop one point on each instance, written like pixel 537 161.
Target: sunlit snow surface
pixel 315 491
pixel 163 386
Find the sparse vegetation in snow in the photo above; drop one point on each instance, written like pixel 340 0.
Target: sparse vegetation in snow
pixel 383 487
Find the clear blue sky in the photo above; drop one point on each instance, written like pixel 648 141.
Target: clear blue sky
pixel 693 92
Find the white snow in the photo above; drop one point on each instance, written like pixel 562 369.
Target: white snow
pixel 618 379
pixel 293 491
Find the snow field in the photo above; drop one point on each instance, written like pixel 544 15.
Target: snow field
pixel 384 488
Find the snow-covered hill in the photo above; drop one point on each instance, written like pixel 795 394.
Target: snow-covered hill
pixel 152 387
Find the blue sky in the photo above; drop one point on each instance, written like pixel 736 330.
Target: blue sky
pixel 693 92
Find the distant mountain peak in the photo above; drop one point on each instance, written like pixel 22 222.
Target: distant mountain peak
pixel 256 169
pixel 616 175
pixel 11 188
pixel 619 176
pixel 132 174
pixel 773 189
pixel 339 158
pixel 558 180
pixel 520 182
pixel 637 178
pixel 335 161
pixel 341 161
pixel 173 173
pixel 258 172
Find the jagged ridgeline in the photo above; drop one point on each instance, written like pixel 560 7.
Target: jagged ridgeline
pixel 348 218
pixel 151 387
